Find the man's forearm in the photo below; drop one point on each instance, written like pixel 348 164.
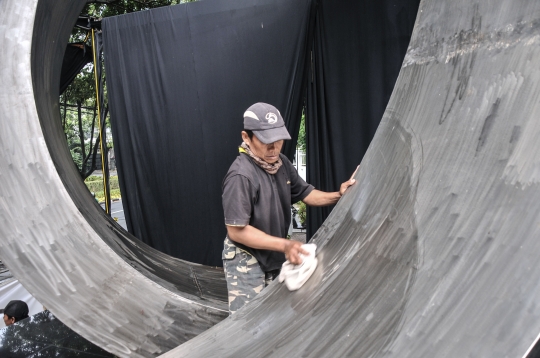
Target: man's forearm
pixel 255 238
pixel 321 198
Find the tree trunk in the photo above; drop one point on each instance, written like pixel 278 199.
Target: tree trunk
pixel 85 159
pixel 64 118
pixel 81 133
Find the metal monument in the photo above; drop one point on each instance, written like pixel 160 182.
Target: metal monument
pixel 433 253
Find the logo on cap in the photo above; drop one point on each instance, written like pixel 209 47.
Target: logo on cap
pixel 271 118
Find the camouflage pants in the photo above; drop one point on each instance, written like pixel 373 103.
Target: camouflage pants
pixel 245 278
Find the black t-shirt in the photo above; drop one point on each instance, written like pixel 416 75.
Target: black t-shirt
pixel 252 196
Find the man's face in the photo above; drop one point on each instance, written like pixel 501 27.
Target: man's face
pixel 267 152
pixel 8 321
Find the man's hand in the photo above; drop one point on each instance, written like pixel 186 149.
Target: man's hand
pixel 348 183
pixel 321 198
pixel 293 249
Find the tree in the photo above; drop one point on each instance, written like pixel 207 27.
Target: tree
pixel 301 144
pixel 79 112
pixel 44 335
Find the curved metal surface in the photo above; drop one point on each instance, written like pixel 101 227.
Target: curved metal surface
pixel 434 252
pixel 96 278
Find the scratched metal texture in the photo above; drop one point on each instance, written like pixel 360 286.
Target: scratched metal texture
pixel 96 278
pixel 434 252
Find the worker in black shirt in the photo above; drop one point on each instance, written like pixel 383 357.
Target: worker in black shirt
pixel 258 190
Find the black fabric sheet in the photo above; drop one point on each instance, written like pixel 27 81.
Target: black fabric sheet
pixel 77 55
pixel 358 49
pixel 179 80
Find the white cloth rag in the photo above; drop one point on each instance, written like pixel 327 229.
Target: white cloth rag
pixel 296 275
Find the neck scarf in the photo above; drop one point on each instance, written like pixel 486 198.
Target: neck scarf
pixel 267 167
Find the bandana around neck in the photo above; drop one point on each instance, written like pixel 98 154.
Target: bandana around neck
pixel 267 167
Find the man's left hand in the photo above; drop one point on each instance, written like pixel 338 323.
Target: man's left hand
pixel 321 198
pixel 348 183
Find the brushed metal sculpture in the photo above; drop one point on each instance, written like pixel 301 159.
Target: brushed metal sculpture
pixel 434 251
pixel 97 279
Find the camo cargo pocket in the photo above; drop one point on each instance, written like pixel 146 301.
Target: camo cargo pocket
pixel 229 250
pixel 244 276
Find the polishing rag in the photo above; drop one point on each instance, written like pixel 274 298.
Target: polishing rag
pixel 295 276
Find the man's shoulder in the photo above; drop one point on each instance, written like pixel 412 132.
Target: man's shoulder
pixel 243 166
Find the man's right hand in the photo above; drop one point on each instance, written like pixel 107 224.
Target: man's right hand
pixel 255 238
pixel 293 249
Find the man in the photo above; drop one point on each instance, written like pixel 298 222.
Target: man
pixel 15 311
pixel 258 191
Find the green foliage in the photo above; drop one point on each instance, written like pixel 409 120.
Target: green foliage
pixel 302 214
pixel 302 134
pixel 83 88
pixel 79 113
pixel 76 155
pixel 80 135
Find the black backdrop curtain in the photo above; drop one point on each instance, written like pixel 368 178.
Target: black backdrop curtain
pixel 179 80
pixel 358 49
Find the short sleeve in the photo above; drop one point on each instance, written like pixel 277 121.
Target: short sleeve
pixel 299 188
pixel 238 200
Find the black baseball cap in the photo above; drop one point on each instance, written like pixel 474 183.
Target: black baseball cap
pixel 17 309
pixel 266 123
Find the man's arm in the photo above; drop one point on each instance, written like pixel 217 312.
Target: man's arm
pixel 255 238
pixel 322 198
